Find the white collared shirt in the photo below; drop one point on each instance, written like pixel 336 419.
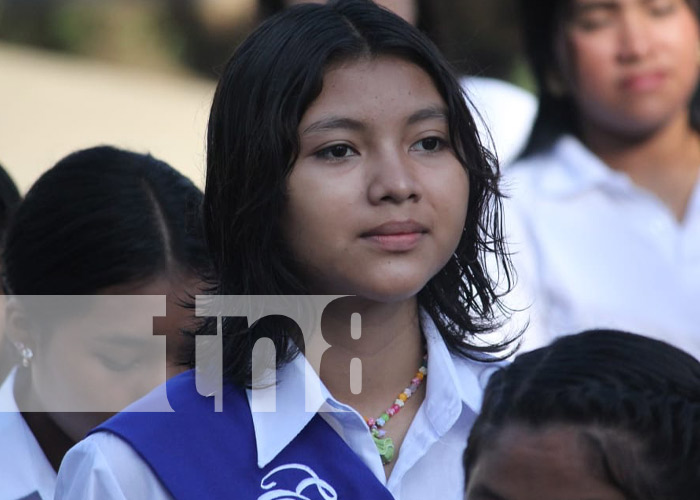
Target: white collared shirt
pixel 593 249
pixel 429 464
pixel 24 469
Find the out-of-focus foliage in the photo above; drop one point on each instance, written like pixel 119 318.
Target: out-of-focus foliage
pixel 127 31
pixel 479 36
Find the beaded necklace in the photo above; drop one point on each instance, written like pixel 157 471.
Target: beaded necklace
pixel 385 445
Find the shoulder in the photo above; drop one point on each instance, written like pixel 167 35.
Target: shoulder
pixel 504 114
pixel 103 466
pixel 529 174
pixel 498 93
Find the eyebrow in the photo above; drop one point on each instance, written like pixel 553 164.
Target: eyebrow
pixel 429 113
pixel 334 123
pixel 343 123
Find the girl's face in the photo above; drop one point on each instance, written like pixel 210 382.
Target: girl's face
pixel 377 199
pixel 110 353
pixel 529 464
pixel 630 65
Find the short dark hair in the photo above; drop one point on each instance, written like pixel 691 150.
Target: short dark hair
pixel 540 22
pixel 103 217
pixel 252 144
pixel 641 394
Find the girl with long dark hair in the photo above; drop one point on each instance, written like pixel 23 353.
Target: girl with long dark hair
pixel 342 160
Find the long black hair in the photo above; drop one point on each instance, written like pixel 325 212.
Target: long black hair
pixel 103 217
pixel 541 23
pixel 636 399
pixel 252 143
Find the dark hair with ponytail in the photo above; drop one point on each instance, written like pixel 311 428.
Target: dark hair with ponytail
pixel 636 399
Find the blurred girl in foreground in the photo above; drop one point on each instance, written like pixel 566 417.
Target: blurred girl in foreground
pixel 603 414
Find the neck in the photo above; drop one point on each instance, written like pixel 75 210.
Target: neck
pixel 390 348
pixel 665 162
pixel 54 442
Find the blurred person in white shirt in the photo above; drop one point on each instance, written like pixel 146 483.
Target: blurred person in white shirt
pixel 604 218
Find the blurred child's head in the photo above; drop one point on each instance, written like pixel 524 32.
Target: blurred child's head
pixel 602 414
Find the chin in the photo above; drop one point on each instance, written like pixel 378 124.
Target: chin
pixel 392 291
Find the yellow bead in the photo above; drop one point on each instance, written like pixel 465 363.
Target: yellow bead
pixel 403 397
pixel 419 376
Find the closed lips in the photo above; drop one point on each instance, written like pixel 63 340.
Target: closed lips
pixel 396 229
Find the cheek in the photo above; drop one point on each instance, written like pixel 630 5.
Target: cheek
pixel 68 377
pixel 686 43
pixel 453 195
pixel 450 198
pixel 315 213
pixel 61 370
pixel 589 67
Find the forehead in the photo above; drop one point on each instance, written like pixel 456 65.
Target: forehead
pixel 552 463
pixel 376 88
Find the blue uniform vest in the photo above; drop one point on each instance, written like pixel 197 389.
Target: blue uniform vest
pixel 201 454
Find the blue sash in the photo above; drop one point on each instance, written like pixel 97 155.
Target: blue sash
pixel 200 454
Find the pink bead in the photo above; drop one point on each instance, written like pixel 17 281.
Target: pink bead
pixel 395 408
pixel 415 381
pixel 390 412
pixel 371 422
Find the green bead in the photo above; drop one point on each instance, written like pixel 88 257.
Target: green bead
pixel 384 417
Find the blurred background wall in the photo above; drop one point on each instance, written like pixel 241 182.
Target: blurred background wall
pixel 140 74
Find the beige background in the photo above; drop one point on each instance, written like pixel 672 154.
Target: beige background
pixel 51 105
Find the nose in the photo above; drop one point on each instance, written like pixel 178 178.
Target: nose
pixel 392 179
pixel 635 38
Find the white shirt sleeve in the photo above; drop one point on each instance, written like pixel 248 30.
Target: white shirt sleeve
pixel 104 466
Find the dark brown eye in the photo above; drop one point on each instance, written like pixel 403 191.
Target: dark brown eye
pixel 429 144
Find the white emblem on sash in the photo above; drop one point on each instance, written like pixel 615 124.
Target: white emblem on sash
pixel 313 481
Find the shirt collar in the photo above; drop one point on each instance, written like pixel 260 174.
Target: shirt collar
pixel 7 396
pixel 274 430
pixel 451 383
pixel 582 170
